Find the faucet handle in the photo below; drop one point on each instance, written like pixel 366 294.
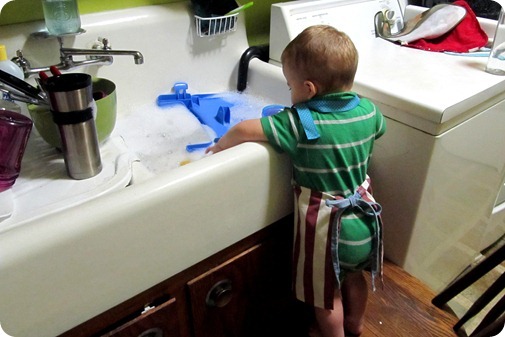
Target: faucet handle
pixel 102 43
pixel 21 61
pixel 106 44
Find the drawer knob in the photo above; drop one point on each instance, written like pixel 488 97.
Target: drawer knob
pixel 153 332
pixel 220 294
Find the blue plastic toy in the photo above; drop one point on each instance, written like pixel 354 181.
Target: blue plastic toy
pixel 210 109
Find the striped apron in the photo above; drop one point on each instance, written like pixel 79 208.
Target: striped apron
pixel 316 266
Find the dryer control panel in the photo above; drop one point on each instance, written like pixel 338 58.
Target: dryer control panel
pixel 354 17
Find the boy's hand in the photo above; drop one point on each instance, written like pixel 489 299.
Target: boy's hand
pixel 214 149
pixel 245 131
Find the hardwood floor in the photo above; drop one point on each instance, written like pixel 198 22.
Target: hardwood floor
pixel 403 309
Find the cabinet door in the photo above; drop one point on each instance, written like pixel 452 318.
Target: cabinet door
pixel 160 321
pixel 246 296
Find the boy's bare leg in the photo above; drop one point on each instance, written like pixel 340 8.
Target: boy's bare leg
pixel 354 295
pixel 331 322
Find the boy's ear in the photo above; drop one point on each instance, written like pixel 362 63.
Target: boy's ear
pixel 311 89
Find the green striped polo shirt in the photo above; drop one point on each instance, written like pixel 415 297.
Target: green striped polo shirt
pixel 336 162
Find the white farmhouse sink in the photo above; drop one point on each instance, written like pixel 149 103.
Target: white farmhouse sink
pixel 64 268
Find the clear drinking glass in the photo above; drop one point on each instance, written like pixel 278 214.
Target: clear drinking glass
pixel 14 133
pixel 496 61
pixel 61 16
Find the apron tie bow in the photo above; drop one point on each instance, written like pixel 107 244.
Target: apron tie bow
pixel 369 208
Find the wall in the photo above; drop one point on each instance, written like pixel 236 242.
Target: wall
pixel 16 11
pixel 257 17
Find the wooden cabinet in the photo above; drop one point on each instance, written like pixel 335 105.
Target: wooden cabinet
pixel 159 321
pixel 242 291
pixel 231 299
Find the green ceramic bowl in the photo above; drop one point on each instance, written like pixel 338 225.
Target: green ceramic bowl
pixel 104 92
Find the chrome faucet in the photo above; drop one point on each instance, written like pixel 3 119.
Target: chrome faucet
pixel 100 54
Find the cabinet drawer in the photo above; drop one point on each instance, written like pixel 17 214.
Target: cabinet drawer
pixel 160 321
pixel 222 300
pixel 248 295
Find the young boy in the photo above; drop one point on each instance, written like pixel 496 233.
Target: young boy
pixel 329 134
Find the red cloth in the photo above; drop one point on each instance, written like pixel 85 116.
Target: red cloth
pixel 467 35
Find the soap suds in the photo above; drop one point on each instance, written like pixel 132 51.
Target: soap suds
pixel 244 106
pixel 158 135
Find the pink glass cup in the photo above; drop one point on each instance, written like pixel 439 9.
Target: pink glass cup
pixel 14 133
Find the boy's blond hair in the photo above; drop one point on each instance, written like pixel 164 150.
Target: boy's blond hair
pixel 325 56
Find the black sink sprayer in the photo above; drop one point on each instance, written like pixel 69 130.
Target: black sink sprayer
pixel 261 52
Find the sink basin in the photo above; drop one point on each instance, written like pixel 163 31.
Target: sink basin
pixel 173 134
pixel 80 257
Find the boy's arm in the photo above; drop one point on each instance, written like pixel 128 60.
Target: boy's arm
pixel 246 131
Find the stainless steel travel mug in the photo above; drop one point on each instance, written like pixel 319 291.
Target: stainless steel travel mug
pixel 70 97
pixel 69 92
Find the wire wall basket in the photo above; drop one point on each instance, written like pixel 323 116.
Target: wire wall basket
pixel 216 25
